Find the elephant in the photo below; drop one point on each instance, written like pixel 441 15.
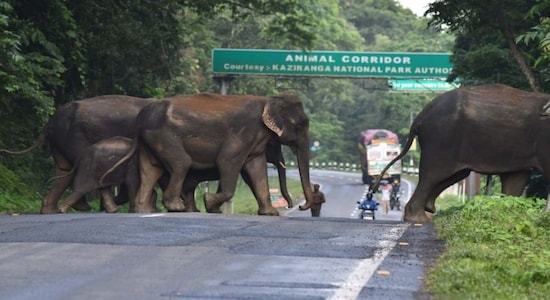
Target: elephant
pixel 93 163
pixel 77 125
pixel 273 154
pixel 101 156
pixel 488 129
pixel 227 132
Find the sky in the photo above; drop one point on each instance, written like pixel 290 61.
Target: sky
pixel 418 7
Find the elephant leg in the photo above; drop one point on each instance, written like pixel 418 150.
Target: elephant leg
pixel 188 194
pixel 252 175
pixel 546 175
pixel 226 189
pixel 440 187
pixel 172 194
pixel 149 174
pixel 70 201
pixel 514 183
pixel 107 200
pixel 430 185
pixel 49 202
pixel 189 187
pixel 82 205
pixel 171 197
pixel 430 204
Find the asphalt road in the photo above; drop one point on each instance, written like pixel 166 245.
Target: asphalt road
pixel 212 256
pixel 342 191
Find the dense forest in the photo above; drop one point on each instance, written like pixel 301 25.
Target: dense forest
pixel 56 51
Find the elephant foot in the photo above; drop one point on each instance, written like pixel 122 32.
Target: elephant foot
pixel 174 205
pixel 63 208
pixel 420 217
pixel 49 210
pixel 82 205
pixel 212 204
pixel 270 211
pixel 111 209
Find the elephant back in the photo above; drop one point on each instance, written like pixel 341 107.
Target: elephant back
pixel 77 125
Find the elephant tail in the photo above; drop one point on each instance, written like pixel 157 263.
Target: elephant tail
pixel 66 174
pixel 39 141
pixel 120 162
pixel 410 140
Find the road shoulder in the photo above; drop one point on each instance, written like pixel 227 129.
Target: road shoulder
pixel 406 265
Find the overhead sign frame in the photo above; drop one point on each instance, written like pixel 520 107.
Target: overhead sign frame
pixel 420 85
pixel 331 63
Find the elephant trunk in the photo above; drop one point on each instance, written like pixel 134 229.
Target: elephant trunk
pixel 281 169
pixel 303 167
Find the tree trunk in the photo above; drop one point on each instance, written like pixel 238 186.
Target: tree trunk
pixel 520 59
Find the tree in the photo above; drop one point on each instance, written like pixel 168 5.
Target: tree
pixel 56 51
pixel 539 35
pixel 470 18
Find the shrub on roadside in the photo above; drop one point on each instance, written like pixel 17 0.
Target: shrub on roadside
pixel 15 196
pixel 497 248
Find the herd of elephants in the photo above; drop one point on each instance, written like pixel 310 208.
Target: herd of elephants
pixel 177 142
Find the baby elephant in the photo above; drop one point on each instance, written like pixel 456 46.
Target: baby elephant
pixel 94 162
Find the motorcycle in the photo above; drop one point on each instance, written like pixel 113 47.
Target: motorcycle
pixel 367 209
pixel 394 200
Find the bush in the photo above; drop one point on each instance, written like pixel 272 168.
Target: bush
pixel 497 248
pixel 16 196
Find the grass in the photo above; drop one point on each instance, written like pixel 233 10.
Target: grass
pixel 22 202
pixel 497 248
pixel 244 201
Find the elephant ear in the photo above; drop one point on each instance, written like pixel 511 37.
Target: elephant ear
pixel 271 116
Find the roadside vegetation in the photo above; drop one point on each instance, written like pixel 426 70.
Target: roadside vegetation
pixel 54 52
pixel 16 200
pixel 496 248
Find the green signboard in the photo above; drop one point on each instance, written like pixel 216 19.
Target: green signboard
pixel 420 85
pixel 331 63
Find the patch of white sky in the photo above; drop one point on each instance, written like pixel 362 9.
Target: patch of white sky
pixel 418 7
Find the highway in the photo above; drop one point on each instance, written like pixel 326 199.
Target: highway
pixel 214 256
pixel 343 190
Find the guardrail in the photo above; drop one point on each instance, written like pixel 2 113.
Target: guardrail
pixel 348 167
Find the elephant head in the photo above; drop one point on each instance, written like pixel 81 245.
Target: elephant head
pixel 285 116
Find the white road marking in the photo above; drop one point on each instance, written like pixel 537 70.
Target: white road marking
pixel 152 215
pixel 358 279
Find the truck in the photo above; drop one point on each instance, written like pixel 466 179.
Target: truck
pixel 377 147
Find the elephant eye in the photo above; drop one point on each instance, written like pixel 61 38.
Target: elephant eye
pixel 299 123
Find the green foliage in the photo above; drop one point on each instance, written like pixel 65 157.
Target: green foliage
pixel 539 35
pixel 15 197
pixel 496 249
pixel 489 30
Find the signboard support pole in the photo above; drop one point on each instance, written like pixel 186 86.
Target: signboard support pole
pixel 224 81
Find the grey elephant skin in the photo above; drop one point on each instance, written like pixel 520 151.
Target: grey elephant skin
pixel 93 163
pixel 273 154
pixel 489 129
pixel 75 127
pixel 101 156
pixel 227 132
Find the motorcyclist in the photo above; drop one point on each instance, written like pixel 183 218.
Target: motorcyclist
pixel 368 202
pixel 395 193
